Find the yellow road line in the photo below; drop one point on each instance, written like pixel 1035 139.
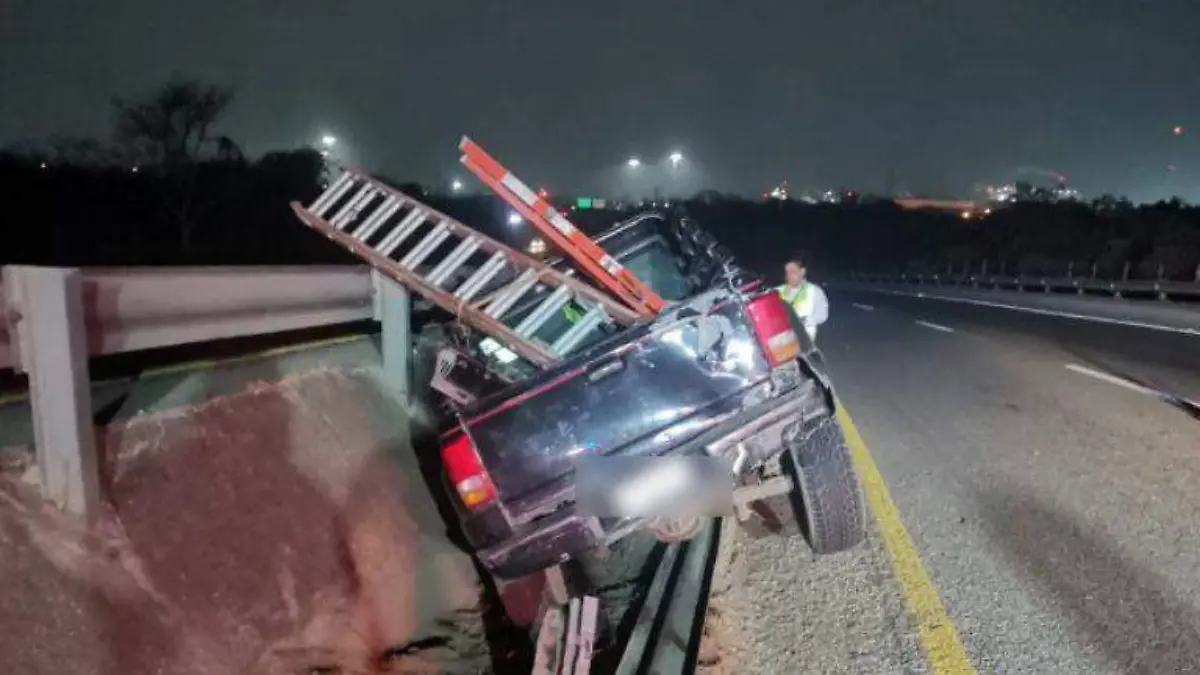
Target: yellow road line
pixel 209 364
pixel 943 648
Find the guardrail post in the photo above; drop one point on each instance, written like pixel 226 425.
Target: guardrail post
pixel 1125 271
pixel 393 309
pixel 49 339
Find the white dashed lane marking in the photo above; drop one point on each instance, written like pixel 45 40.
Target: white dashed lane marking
pixel 865 308
pixel 936 326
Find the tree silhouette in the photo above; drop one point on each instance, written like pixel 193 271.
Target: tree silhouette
pixel 167 131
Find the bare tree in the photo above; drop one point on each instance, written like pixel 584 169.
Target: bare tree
pixel 169 131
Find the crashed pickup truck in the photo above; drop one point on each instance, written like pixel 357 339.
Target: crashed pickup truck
pixel 725 375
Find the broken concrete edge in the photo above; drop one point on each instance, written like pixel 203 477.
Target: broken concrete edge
pixel 104 532
pixel 117 463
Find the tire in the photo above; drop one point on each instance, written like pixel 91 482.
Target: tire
pixel 827 504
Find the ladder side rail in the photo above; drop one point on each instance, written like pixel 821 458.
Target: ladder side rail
pixel 592 268
pixel 446 300
pixel 561 231
pixel 546 273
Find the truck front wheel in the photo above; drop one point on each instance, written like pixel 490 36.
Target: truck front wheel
pixel 827 499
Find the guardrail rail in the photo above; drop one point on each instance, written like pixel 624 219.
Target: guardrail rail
pixel 666 636
pixel 1163 290
pixel 53 320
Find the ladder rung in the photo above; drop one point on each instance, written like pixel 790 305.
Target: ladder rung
pixel 356 205
pixel 380 216
pixel 575 334
pixel 509 296
pixel 351 205
pixel 477 281
pixel 403 230
pixel 426 246
pixel 455 260
pixel 328 198
pixel 542 313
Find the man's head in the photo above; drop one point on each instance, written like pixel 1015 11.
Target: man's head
pixel 794 272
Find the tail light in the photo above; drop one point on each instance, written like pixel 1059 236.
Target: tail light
pixel 466 473
pixel 773 325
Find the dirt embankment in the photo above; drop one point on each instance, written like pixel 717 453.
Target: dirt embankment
pixel 282 530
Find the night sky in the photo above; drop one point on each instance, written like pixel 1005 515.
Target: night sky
pixel 942 95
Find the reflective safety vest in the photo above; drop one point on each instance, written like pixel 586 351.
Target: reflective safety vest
pixel 799 298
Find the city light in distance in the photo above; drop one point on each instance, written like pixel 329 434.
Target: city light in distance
pixel 537 247
pixel 328 141
pixel 456 185
pixel 1178 130
pixel 633 162
pixel 514 218
pixel 676 157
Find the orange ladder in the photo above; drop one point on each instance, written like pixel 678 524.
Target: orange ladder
pixel 595 261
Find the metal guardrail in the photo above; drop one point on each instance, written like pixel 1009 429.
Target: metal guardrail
pixel 135 309
pixel 666 636
pixel 54 320
pixel 1163 290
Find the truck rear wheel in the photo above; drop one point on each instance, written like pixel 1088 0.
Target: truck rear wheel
pixel 827 501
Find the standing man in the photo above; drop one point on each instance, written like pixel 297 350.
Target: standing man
pixel 806 298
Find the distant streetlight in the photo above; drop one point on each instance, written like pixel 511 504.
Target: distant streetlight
pixel 456 185
pixel 676 158
pixel 328 141
pixel 633 162
pixel 537 247
pixel 514 218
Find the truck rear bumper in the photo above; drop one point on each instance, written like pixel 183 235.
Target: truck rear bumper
pixel 559 536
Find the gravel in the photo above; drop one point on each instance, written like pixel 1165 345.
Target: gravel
pixel 775 608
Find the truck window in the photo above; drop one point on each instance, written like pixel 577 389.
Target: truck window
pixel 653 263
pixel 651 260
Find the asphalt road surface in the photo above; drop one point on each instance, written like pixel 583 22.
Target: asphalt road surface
pixel 1052 493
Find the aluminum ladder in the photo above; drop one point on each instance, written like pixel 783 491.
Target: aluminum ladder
pixel 429 253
